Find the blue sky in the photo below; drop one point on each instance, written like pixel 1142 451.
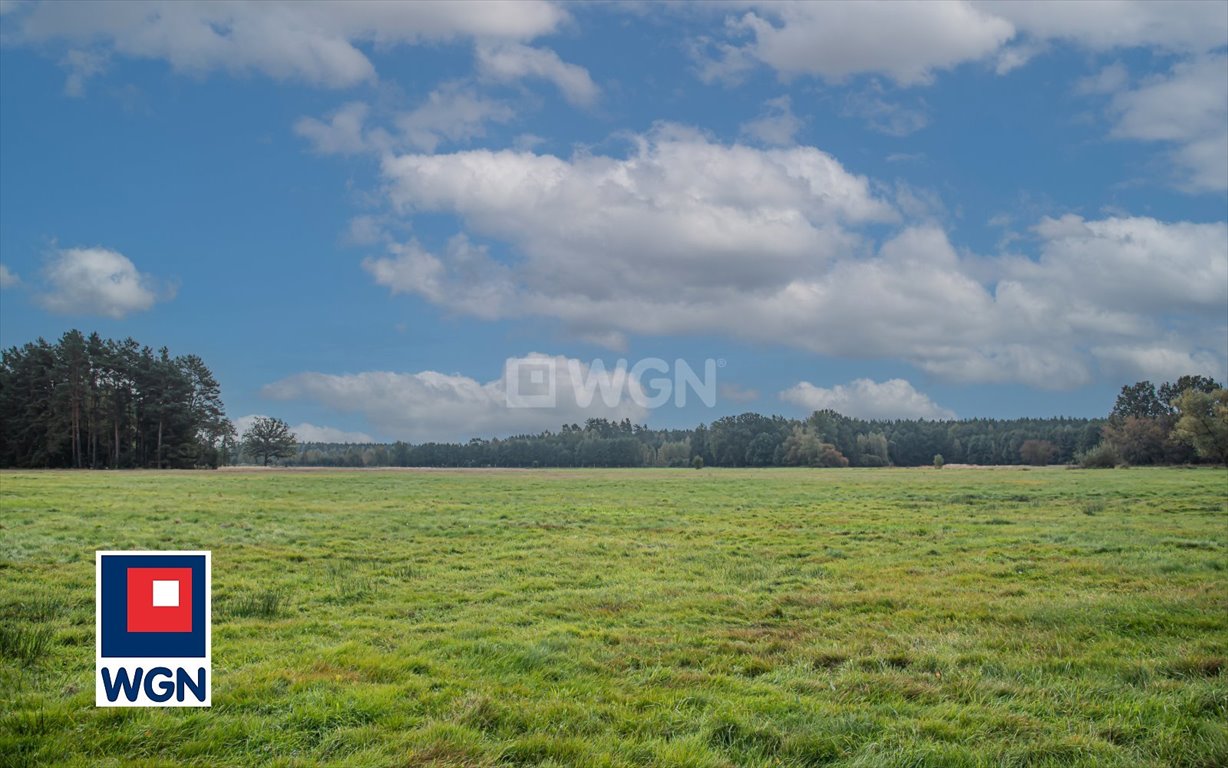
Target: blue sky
pixel 356 213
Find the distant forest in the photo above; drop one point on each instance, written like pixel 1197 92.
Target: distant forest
pixel 90 402
pixel 1145 427
pixel 826 439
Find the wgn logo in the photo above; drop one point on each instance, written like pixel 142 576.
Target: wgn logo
pixel 153 629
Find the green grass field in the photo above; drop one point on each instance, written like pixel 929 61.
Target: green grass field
pixel 641 617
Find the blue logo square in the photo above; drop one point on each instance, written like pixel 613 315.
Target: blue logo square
pixel 117 641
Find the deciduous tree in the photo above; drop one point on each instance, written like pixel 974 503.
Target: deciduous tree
pixel 269 438
pixel 1203 422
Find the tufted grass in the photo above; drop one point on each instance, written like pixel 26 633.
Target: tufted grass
pixel 1043 617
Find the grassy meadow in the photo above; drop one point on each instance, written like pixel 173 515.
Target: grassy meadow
pixel 962 617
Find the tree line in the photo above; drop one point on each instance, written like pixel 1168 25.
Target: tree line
pixel 1176 423
pixel 90 402
pixel 825 439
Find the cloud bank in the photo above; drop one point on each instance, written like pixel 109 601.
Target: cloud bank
pixel 433 406
pixel 684 235
pixel 317 43
pixel 867 399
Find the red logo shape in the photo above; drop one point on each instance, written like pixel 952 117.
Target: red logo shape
pixel 159 599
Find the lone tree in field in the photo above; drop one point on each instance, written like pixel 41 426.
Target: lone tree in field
pixel 269 438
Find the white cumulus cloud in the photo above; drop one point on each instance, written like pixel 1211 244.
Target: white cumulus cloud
pixel 867 399
pixel 907 42
pixel 432 406
pixel 1188 109
pixel 677 214
pixel 469 281
pixel 451 113
pixel 509 61
pixel 911 42
pixel 316 43
pixel 1158 362
pixel 1182 26
pixel 1128 265
pixel 686 236
pixel 341 134
pixel 97 281
pixel 777 126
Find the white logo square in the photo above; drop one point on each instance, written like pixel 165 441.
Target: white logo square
pixel 165 594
